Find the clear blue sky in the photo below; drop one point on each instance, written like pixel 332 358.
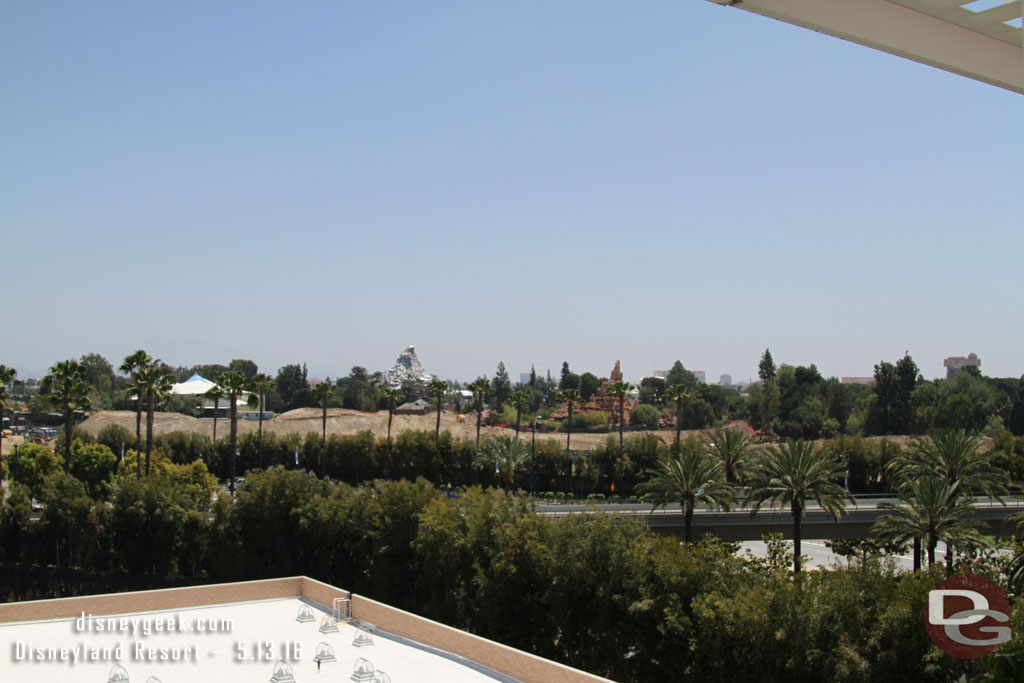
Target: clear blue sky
pixel 527 181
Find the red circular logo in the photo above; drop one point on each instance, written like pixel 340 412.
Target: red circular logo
pixel 967 616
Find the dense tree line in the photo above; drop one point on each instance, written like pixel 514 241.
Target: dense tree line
pixel 598 592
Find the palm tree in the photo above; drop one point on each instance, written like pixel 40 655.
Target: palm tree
pixel 620 390
pixel 689 478
pixel 215 393
pixel 7 375
pixel 233 384
pixel 508 453
pixel 793 473
pixel 729 446
pixel 521 401
pixel 932 509
pixel 438 388
pixel 131 365
pixel 391 396
pixel 571 397
pixel 153 383
pixel 480 386
pixel 951 455
pixel 259 385
pixel 678 393
pixel 68 392
pixel 323 392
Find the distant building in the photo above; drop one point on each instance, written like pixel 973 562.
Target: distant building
pixel 725 380
pixel 701 376
pixel 955 364
pixel 867 381
pixel 660 374
pixel 524 378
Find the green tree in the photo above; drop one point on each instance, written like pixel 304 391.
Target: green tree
pixel 729 447
pixel 954 456
pixel 678 374
pixel 154 382
pixel 131 365
pixel 290 380
pixel 7 376
pixel 33 465
pixel 688 478
pixel 391 396
pixel 520 400
pixel 244 366
pixel 678 394
pixel 766 367
pixel 793 473
pixel 589 384
pixel 233 384
pixel 215 394
pixel 502 384
pixel 572 399
pixel 933 509
pixel 646 416
pixel 438 388
pixel 508 454
pixel 479 387
pixel 620 390
pixel 258 385
pixel 94 465
pixel 68 393
pixel 324 391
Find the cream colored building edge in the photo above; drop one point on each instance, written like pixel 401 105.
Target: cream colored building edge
pixel 940 33
pixel 501 658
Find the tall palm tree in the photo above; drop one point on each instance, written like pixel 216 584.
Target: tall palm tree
pixel 507 453
pixel 233 384
pixel 689 478
pixel 678 394
pixel 620 390
pixel 952 455
pixel 793 473
pixel 391 396
pixel 68 392
pixel 131 365
pixel 7 375
pixel 154 384
pixel 572 398
pixel 521 401
pixel 729 446
pixel 932 509
pixel 480 386
pixel 323 392
pixel 216 393
pixel 438 388
pixel 259 385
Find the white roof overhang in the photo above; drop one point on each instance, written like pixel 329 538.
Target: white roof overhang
pixel 980 39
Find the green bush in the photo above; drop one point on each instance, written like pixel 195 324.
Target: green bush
pixel 645 416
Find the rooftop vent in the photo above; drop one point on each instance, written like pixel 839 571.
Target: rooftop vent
pixel 117 675
pixel 324 653
pixel 363 638
pixel 282 673
pixel 153 679
pixel 327 625
pixel 383 677
pixel 305 614
pixel 363 671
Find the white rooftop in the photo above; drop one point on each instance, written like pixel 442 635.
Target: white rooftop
pixel 246 641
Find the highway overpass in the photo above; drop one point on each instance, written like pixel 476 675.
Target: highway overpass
pixel 739 525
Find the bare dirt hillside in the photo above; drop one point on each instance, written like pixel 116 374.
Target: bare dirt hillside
pixel 339 421
pixel 343 421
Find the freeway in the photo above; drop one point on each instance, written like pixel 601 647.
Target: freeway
pixel 738 524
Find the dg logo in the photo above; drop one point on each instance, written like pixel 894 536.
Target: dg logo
pixel 968 616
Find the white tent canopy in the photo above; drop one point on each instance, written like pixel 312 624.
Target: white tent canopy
pixel 193 386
